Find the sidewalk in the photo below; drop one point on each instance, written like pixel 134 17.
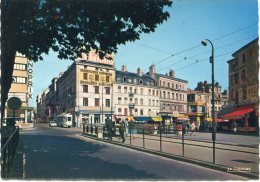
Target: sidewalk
pixel 244 160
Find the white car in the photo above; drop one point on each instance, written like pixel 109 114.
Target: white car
pixel 52 124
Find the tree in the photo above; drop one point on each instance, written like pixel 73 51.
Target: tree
pixel 34 27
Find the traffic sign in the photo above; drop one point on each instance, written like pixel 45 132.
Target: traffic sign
pixel 14 103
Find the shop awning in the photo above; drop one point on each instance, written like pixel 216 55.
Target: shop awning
pixel 239 112
pixel 144 118
pixel 216 120
pixel 157 118
pixel 182 117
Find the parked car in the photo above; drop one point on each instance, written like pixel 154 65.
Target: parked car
pixel 53 124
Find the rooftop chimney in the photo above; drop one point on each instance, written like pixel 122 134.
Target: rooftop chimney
pixel 124 68
pixel 152 70
pixel 139 72
pixel 172 73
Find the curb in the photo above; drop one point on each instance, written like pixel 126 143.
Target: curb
pixel 176 157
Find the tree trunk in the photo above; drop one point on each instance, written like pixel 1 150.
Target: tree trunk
pixel 7 63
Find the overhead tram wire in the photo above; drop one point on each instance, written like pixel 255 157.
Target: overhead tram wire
pixel 196 46
pixel 187 58
pixel 203 60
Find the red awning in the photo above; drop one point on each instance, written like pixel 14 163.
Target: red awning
pixel 239 112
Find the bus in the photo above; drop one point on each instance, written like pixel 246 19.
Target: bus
pixel 64 120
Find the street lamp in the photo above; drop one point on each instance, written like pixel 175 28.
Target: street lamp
pixel 205 43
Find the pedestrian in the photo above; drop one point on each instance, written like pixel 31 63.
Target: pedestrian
pixel 109 129
pixel 126 126
pixel 179 129
pixel 188 127
pixel 235 126
pixel 131 128
pixel 122 131
pixel 192 128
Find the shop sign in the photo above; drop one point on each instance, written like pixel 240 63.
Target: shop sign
pixel 30 77
pixel 175 114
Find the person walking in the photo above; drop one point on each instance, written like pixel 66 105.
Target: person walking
pixel 109 128
pixel 122 131
pixel 179 129
pixel 192 128
pixel 126 126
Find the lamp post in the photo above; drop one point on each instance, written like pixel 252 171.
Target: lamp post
pixel 205 43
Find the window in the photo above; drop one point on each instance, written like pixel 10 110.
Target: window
pixel 176 96
pixel 141 112
pixel 169 95
pixel 124 79
pixel 85 88
pixel 141 91
pixel 136 101
pixel 136 111
pixel 85 76
pixel 157 93
pixel 243 75
pixel 85 67
pixel 107 102
pixel 119 89
pixel 153 102
pixel 172 95
pixel 236 78
pixel 96 77
pixel 96 89
pixel 140 81
pixel 107 90
pixel 149 92
pixel 243 58
pixel 135 91
pixel 17 79
pixel 96 101
pixel 125 99
pixel 168 85
pixel 153 92
pixel 141 102
pixel 119 110
pixel 244 93
pixel 149 102
pixel 18 66
pixel 85 101
pixel 125 90
pixel 119 100
pixel 157 103
pixel 107 79
pixel 125 112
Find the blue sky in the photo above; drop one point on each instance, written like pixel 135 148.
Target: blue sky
pixel 229 24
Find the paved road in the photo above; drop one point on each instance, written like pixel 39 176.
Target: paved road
pixel 59 153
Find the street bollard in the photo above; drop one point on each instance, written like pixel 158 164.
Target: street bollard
pixel 143 138
pixel 91 129
pixel 160 139
pixel 84 129
pixel 183 142
pixel 96 131
pixel 130 129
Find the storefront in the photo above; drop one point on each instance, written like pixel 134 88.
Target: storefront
pixel 245 117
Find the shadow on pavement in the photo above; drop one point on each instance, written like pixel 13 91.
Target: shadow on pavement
pixel 56 157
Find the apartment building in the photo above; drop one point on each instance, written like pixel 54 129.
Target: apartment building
pixel 22 87
pixel 135 94
pixel 244 85
pixel 172 94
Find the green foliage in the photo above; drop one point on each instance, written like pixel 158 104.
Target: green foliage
pixel 71 27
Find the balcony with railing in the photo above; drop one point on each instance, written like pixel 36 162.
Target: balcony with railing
pixel 131 105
